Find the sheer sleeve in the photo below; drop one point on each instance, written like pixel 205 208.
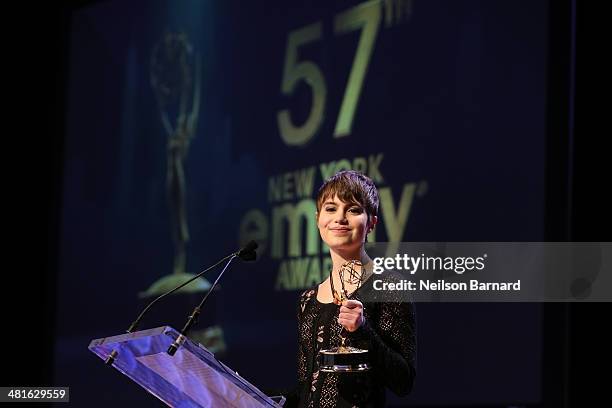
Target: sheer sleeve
pixel 391 338
pixel 297 392
pixel 303 335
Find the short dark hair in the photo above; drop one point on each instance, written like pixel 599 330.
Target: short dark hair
pixel 351 187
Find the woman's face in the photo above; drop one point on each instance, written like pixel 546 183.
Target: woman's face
pixel 343 225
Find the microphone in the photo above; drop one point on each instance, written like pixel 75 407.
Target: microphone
pixel 246 254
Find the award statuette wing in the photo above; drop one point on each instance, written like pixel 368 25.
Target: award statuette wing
pixel 193 377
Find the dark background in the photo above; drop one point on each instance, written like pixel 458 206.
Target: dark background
pixel 36 56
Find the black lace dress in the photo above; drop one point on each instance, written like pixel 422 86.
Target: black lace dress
pixel 389 333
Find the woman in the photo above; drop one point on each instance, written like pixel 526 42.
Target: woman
pixel 347 208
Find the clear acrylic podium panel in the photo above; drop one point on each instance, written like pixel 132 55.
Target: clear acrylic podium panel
pixel 193 377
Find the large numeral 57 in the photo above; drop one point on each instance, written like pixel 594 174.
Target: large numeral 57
pixel 365 16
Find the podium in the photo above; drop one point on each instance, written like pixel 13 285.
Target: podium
pixel 193 377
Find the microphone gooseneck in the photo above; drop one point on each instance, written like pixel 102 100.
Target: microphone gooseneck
pixel 246 254
pixel 195 313
pixel 135 323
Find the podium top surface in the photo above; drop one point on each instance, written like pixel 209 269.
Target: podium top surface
pixel 193 377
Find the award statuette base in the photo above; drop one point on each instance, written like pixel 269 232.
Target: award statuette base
pixel 173 280
pixel 343 360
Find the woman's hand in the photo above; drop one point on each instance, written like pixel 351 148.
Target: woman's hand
pixel 351 315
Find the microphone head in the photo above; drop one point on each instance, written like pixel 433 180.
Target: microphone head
pixel 248 252
pixel 248 256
